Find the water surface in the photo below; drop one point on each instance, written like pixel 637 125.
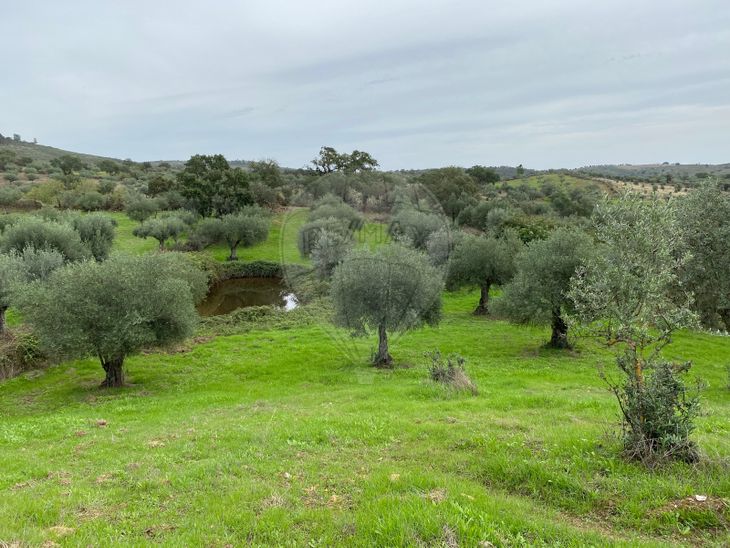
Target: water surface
pixel 230 295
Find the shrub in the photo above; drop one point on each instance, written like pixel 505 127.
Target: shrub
pixel 310 233
pixel 140 208
pixel 44 235
pixel 329 251
pixel 331 207
pixel 9 196
pixel 450 372
pixel 413 227
pixel 97 233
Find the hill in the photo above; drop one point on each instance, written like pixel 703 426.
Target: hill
pixel 44 153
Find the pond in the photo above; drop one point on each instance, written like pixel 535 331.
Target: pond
pixel 230 295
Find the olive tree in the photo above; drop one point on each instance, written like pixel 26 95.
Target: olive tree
pixel 329 251
pixel 630 297
pixel 310 233
pixel 97 233
pixel 47 235
pixel 414 227
pixel 483 262
pixel 333 207
pixel 393 288
pixel 161 229
pixel 12 272
pixel 114 308
pixel 246 228
pixel 539 291
pixel 704 217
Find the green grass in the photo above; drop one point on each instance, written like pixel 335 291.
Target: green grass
pixel 290 437
pixel 280 246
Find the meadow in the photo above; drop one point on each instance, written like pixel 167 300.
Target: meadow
pixel 287 436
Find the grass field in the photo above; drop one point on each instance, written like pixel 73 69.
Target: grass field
pixel 289 437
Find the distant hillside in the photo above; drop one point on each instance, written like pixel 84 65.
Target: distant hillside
pixel 658 172
pixel 43 153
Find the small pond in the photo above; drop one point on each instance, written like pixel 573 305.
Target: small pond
pixel 230 295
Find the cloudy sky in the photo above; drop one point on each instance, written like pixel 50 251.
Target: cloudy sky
pixel 545 83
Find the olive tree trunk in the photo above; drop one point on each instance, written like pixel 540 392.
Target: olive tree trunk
pixel 383 357
pixel 113 367
pixel 725 317
pixel 234 252
pixel 3 309
pixel 483 307
pixel 559 337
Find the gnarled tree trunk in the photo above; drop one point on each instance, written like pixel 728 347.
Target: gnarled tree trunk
pixel 482 308
pixel 3 309
pixel 383 357
pixel 234 253
pixel 559 337
pixel 114 372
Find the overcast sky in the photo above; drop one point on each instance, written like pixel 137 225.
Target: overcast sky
pixel 549 83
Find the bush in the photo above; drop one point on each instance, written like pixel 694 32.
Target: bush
pixel 329 251
pixel 414 227
pixel 450 372
pixel 310 233
pixel 9 196
pixel 97 232
pixel 331 207
pixel 140 208
pixel 46 235
pixel 659 414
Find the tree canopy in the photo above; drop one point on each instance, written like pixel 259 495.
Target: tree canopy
pixel 213 187
pixel 114 308
pixel 539 291
pixel 393 288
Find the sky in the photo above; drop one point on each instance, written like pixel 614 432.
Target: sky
pixel 546 84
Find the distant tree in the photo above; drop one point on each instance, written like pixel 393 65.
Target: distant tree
pixel 440 245
pixel 115 308
pixel 140 208
pixel 393 288
pixel 539 291
pixel 7 157
pixel 243 229
pixel 310 233
pixel 332 207
pixel 213 187
pixel 520 170
pixel 97 233
pixel 44 235
pixel 329 160
pixel 448 182
pixel 160 184
pixel 268 172
pixel 483 262
pixel 329 251
pixel 704 217
pixel 630 297
pixel 161 229
pixel 68 164
pixel 24 161
pixel 110 166
pixel 358 161
pixel 483 175
pixel 414 227
pixel 16 137
pixel 12 272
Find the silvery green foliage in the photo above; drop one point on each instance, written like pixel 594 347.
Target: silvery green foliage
pixel 97 233
pixel 440 245
pixel 161 229
pixel 483 262
pixel 243 229
pixel 539 291
pixel 631 297
pixel 413 228
pixel 39 263
pixel 114 308
pixel 393 286
pixel 632 290
pixel 329 251
pixel 310 233
pixel 12 272
pixel 705 222
pixel 44 235
pixel 332 207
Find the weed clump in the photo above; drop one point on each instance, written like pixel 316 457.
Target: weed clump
pixel 450 372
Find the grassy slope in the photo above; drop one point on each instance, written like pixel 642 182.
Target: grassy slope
pixel 276 437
